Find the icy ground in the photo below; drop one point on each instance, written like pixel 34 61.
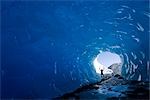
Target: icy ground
pixel 115 87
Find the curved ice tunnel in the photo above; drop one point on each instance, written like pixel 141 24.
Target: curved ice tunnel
pixel 55 52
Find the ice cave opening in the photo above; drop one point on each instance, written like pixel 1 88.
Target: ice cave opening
pixel 110 63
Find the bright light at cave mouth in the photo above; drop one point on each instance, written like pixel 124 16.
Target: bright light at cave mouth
pixel 105 59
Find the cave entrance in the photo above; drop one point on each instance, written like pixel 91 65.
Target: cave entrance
pixel 110 63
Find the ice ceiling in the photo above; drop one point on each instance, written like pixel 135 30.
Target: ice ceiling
pixel 48 48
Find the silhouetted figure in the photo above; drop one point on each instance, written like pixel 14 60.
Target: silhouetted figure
pixel 102 74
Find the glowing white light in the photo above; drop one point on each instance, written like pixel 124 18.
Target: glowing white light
pixel 108 58
pixel 99 67
pixel 104 60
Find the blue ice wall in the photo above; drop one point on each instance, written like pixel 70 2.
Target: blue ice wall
pixel 48 47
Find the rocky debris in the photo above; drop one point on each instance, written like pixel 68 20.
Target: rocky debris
pixel 138 90
pixel 81 89
pixel 96 86
pixel 110 88
pixel 114 81
pixel 116 68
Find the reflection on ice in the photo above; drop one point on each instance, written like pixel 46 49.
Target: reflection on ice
pixel 134 56
pixel 55 68
pixel 119 12
pixel 122 32
pixel 139 78
pixel 137 39
pixel 124 6
pixel 133 10
pixel 143 55
pixel 114 47
pixel 139 27
pixel 147 14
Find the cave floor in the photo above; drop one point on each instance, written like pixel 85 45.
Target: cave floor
pixel 111 88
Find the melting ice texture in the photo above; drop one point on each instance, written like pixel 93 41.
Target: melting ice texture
pixel 48 47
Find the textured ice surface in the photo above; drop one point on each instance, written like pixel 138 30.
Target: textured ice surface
pixel 48 47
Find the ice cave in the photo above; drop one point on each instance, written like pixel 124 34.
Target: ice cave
pixel 54 49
